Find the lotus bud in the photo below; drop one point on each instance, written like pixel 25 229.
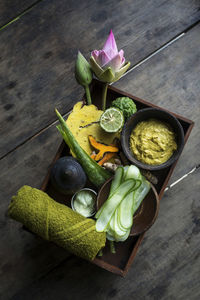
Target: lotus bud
pixel 109 64
pixel 83 74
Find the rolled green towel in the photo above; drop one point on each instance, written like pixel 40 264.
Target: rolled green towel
pixel 56 222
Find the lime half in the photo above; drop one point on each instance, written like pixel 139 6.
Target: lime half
pixel 112 120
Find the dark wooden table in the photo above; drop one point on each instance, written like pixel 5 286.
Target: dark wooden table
pixel 38 46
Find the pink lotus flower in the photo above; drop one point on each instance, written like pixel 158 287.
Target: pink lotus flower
pixel 108 64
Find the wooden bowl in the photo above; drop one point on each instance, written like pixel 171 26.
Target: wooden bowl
pixel 146 214
pixel 145 114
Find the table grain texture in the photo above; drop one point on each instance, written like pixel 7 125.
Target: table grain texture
pixel 39 41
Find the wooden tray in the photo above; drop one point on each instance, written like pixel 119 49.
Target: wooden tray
pixel 120 262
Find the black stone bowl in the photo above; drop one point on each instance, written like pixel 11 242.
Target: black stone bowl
pixel 145 114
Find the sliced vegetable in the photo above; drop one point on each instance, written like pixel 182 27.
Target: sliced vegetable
pixel 101 147
pixel 141 193
pixel 118 229
pixel 114 227
pixel 127 205
pixel 115 217
pixel 124 237
pixel 110 236
pixel 111 226
pixel 99 212
pixel 111 204
pixel 96 174
pixel 131 172
pixel 114 185
pixel 117 180
pixel 125 211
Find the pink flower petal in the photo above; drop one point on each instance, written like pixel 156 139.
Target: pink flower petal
pixel 109 55
pixel 121 53
pixel 101 57
pixel 95 54
pixel 123 62
pixel 110 46
pixel 115 63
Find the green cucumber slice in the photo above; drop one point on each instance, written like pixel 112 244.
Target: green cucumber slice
pixel 126 211
pixel 114 185
pixel 111 204
pixel 119 231
pixel 141 193
pixel 111 224
pixel 116 180
pixel 99 212
pixel 110 236
pixel 126 207
pixel 131 172
pixel 122 238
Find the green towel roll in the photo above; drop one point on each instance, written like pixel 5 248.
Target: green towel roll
pixel 56 222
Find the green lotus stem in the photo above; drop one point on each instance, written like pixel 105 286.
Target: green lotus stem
pixel 88 96
pixel 104 96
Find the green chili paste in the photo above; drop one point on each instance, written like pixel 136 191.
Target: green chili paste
pixel 153 142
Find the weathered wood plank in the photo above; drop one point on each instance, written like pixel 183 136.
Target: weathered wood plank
pixel 38 53
pixel 166 267
pixel 11 9
pixel 171 79
pixel 23 256
pixel 29 164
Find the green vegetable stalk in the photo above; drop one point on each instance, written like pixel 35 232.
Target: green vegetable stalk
pixel 104 96
pixel 96 174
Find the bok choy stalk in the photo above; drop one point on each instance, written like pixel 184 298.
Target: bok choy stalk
pixel 95 173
